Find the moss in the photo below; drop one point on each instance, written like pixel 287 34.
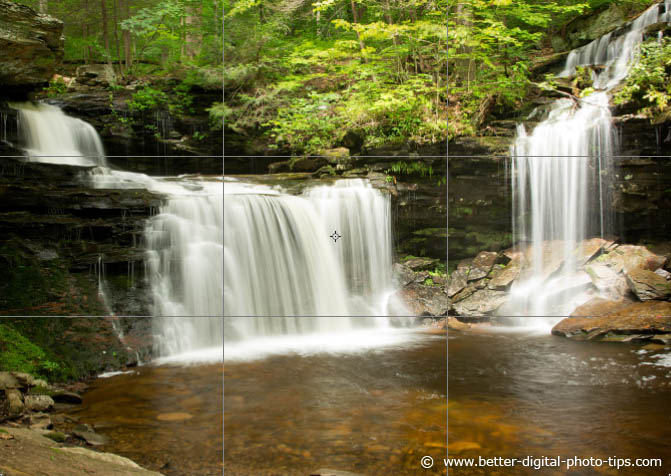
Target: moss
pixel 56 436
pixel 18 353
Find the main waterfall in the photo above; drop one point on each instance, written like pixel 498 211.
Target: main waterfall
pixel 280 260
pixel 560 174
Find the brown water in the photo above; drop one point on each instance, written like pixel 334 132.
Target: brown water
pixel 376 412
pixel 165 418
pixel 513 395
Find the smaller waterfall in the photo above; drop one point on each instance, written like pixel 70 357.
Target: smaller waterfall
pixel 52 136
pixel 561 172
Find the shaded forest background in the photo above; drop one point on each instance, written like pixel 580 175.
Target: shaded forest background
pixel 306 76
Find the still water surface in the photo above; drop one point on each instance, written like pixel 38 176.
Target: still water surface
pixel 515 394
pixel 166 418
pixel 373 412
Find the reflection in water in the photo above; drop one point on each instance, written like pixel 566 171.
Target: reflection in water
pixel 373 412
pixel 513 395
pixel 166 418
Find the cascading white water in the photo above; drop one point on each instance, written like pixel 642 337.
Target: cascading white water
pixel 184 262
pixel 280 260
pixel 52 136
pixel 560 173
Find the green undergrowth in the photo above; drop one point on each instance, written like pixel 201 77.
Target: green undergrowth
pixel 18 353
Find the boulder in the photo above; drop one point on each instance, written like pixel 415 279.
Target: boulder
pixel 424 300
pixel 618 321
pixel 7 380
pixel 456 283
pixel 480 304
pixel 421 264
pixel 87 434
pixel 31 46
pixel 502 278
pixel 40 421
pixel 482 265
pixel 647 285
pixel 14 403
pixel 454 324
pixel 628 257
pixel 38 403
pixel 63 396
pixel 96 74
pixel 402 275
pixel 609 283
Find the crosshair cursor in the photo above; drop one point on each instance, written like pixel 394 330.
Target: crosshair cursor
pixel 335 236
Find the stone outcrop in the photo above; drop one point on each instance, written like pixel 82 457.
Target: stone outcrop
pixel 479 288
pixel 618 321
pixel 55 231
pixel 31 46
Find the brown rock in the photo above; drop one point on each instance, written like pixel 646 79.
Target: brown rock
pixel 456 282
pixel 647 285
pixel 503 278
pixel 617 321
pixel 482 265
pixel 481 304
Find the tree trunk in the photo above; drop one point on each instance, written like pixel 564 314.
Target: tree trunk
pixel 43 6
pixel 115 21
pixel 106 36
pixel 356 20
pixel 192 31
pixel 125 11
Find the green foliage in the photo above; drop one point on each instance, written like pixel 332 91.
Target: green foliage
pixel 148 98
pixel 56 87
pixel 649 82
pixel 17 353
pixel 414 167
pixel 305 74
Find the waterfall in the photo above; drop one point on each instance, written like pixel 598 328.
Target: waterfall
pixel 561 170
pixel 50 135
pixel 281 261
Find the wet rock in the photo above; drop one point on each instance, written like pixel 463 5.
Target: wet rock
pixel 424 300
pixel 608 282
pixel 87 434
pixel 31 44
pixel 502 278
pixel 40 421
pixel 647 285
pixel 63 396
pixel 481 304
pixel 617 321
pixel 663 273
pixel 628 257
pixel 455 324
pixel 38 403
pixel 482 265
pixel 421 264
pixel 14 405
pixel 590 249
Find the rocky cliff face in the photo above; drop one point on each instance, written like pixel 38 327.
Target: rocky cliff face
pixel 31 46
pixel 59 237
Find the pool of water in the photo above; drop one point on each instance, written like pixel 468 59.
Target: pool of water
pixel 166 418
pixel 517 394
pixel 373 412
